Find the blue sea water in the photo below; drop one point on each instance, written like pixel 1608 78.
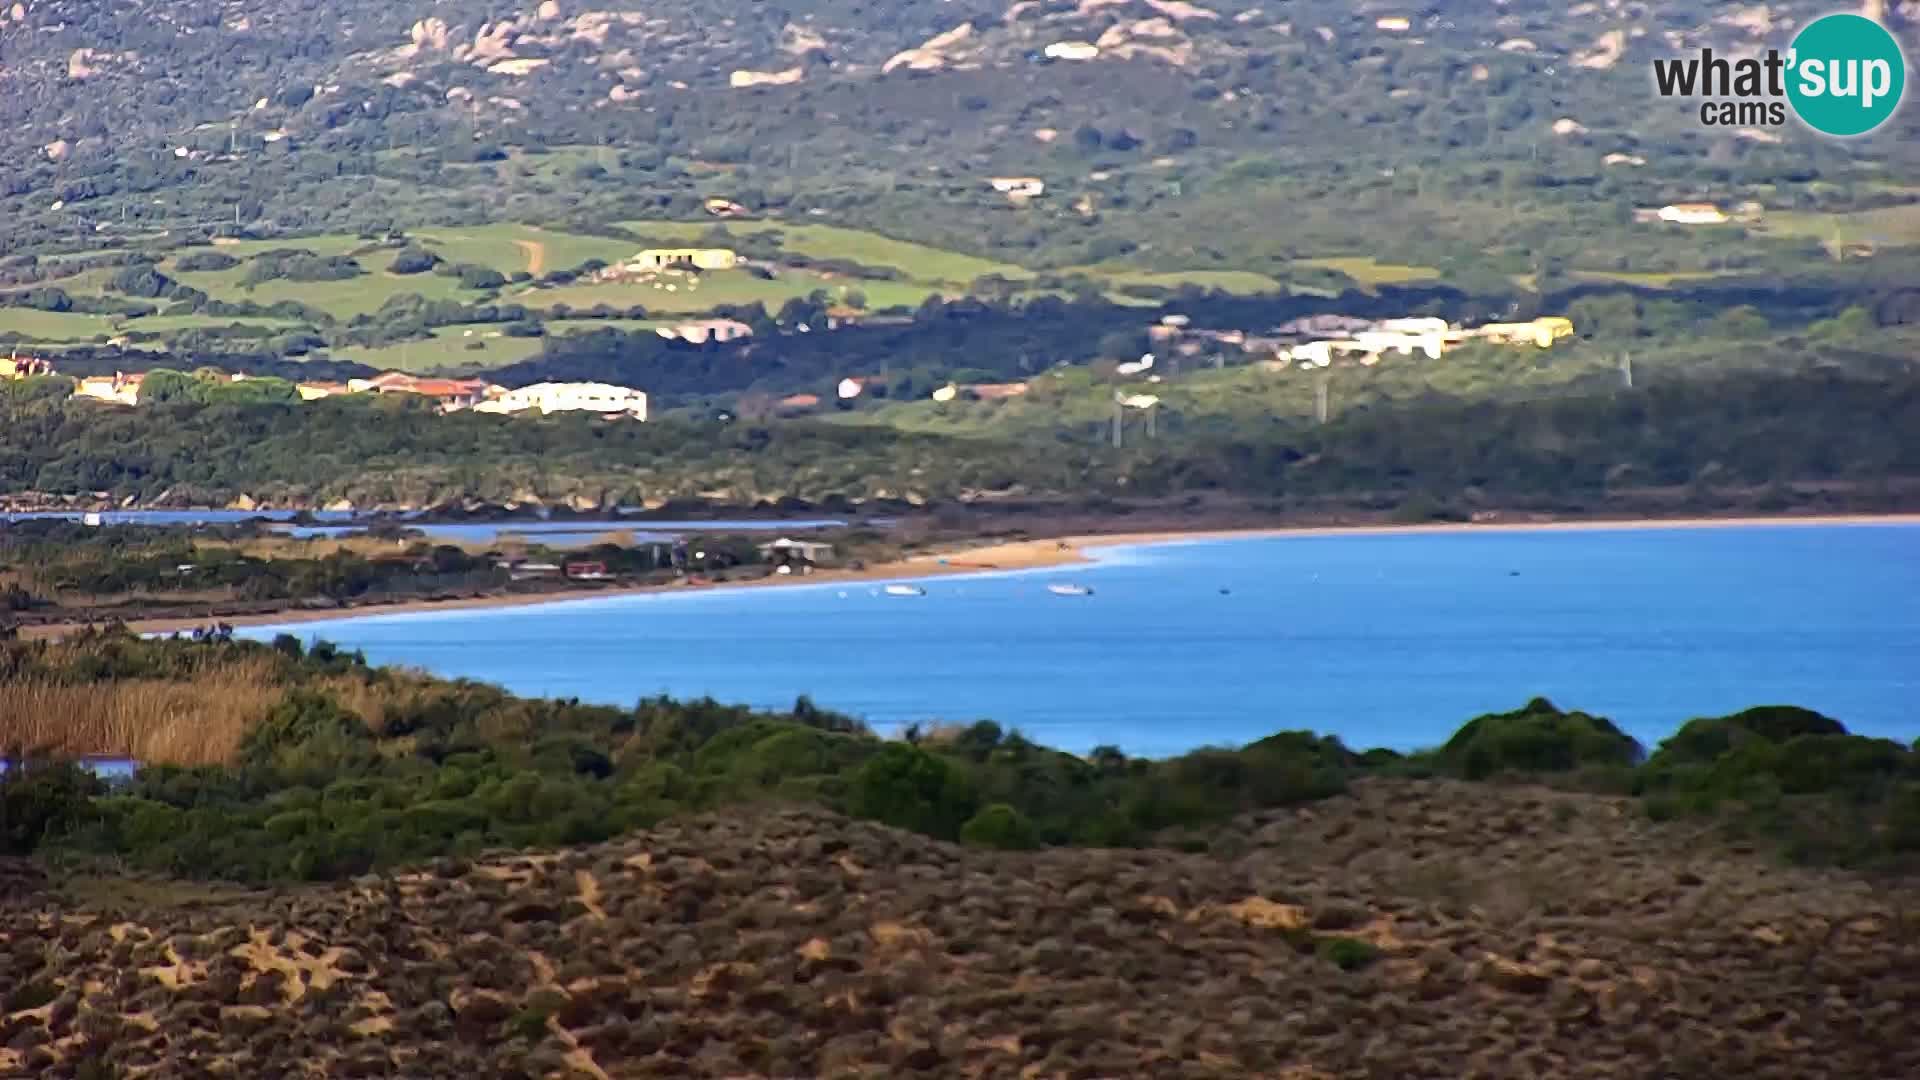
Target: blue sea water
pixel 1382 639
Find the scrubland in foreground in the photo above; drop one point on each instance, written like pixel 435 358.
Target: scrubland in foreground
pixel 438 879
pixel 1404 929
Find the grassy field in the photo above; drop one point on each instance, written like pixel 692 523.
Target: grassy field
pixel 1233 281
pixel 918 261
pixel 934 266
pixel 1888 226
pixel 450 346
pixel 1370 272
pixel 1649 278
pixel 455 346
pixel 723 287
pixel 514 248
pixel 52 325
pixel 319 244
pixel 341 299
pixel 165 324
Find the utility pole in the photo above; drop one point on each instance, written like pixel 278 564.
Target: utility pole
pixel 1626 370
pixel 1320 399
pixel 1118 409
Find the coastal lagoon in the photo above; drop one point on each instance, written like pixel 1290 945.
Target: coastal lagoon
pixel 1384 639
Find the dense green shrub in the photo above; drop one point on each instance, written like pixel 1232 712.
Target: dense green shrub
pixel 205 262
pixel 1537 738
pixel 913 789
pixel 39 799
pixel 1348 954
pixel 413 260
pixel 999 826
pixel 293 264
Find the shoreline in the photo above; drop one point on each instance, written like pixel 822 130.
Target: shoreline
pixel 980 557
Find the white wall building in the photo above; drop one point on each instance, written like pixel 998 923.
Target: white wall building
pixel 1693 214
pixel 603 398
pixel 705 330
pixel 1019 187
pixel 1072 50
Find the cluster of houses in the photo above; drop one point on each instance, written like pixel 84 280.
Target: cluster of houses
pixel 1319 340
pixel 481 396
pixel 451 395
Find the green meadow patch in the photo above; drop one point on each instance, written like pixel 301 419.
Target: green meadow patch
pixel 52 325
pixel 1369 272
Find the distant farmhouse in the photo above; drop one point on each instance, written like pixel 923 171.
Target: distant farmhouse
pixel 704 330
pixel 684 259
pixel 1019 188
pixel 1692 213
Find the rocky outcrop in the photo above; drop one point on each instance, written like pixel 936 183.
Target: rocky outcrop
pixel 932 54
pixel 430 35
pixel 1605 53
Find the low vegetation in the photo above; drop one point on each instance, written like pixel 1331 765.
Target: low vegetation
pixel 58 571
pixel 301 763
pixel 1586 449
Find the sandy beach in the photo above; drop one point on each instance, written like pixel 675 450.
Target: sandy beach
pixel 983 557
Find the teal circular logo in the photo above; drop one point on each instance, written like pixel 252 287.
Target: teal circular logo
pixel 1846 74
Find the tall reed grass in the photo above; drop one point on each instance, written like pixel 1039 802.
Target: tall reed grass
pixel 197 721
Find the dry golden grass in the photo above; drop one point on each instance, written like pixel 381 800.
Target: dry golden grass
pixel 375 703
pixel 155 721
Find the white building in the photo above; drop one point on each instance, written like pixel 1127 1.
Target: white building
pixel 1019 187
pixel 602 398
pixel 705 330
pixel 1693 214
pixel 1072 50
pixel 1379 341
pixel 1417 325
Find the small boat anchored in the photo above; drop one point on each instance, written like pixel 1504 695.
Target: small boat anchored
pixel 1069 589
pixel 905 590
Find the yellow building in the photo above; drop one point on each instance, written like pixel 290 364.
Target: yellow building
pixel 685 258
pixel 23 367
pixel 1542 332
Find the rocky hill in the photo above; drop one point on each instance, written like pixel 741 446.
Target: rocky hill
pixel 1410 929
pixel 878 112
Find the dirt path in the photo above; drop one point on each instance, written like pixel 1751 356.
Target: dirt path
pixel 536 255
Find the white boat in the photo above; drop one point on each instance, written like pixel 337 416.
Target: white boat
pixel 1069 590
pixel 905 590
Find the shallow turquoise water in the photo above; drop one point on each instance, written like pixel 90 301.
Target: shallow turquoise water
pixel 1384 640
